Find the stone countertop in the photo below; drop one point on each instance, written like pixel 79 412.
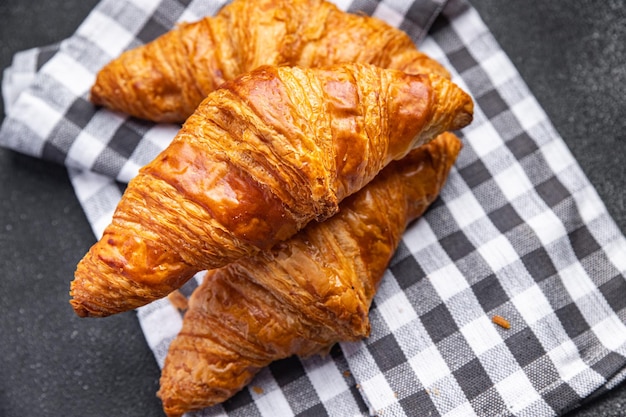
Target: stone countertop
pixel 53 363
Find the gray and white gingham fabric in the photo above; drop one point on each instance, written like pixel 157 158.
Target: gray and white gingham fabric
pixel 518 232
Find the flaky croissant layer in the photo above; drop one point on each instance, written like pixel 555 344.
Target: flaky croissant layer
pixel 303 295
pixel 166 79
pixel 260 158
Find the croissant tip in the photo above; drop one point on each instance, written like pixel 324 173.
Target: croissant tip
pixel 464 119
pixel 172 413
pixel 79 309
pixel 83 310
pixel 94 94
pixel 173 406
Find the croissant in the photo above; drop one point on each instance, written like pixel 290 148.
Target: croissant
pixel 260 158
pixel 306 293
pixel 166 79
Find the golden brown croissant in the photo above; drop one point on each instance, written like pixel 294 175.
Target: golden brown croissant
pixel 166 79
pixel 305 294
pixel 259 159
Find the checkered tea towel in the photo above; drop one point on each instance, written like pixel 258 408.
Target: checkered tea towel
pixel 518 232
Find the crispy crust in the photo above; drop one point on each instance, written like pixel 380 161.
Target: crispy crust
pixel 260 158
pixel 304 295
pixel 166 79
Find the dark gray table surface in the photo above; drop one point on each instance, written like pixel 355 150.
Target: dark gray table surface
pixel 571 54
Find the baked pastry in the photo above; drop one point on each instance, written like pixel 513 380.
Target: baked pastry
pixel 260 158
pixel 166 79
pixel 303 295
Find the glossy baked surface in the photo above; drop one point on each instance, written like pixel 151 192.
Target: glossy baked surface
pixel 306 293
pixel 260 158
pixel 166 79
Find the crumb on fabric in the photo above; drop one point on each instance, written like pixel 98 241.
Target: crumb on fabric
pixel 501 321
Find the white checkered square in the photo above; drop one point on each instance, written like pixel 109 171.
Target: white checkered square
pixel 30 107
pixel 567 360
pixel 513 182
pixel 432 49
pixel 463 410
pixel 378 391
pixel 499 68
pixel 588 204
pixel 162 322
pixel 528 112
pixel 465 209
pixel 389 14
pixel 547 227
pixel 117 39
pixel 557 155
pixel 470 25
pixel 419 236
pixel 325 377
pixel 498 253
pixel 517 392
pixel 76 78
pixel 129 170
pixel 87 184
pixel 448 281
pixel 615 252
pixel 429 366
pixel 577 282
pixel 483 138
pixel 481 335
pixel 532 305
pixel 611 332
pixel 147 6
pixel 396 310
pixel 342 4
pixel 85 150
pixel 200 8
pixel 98 196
